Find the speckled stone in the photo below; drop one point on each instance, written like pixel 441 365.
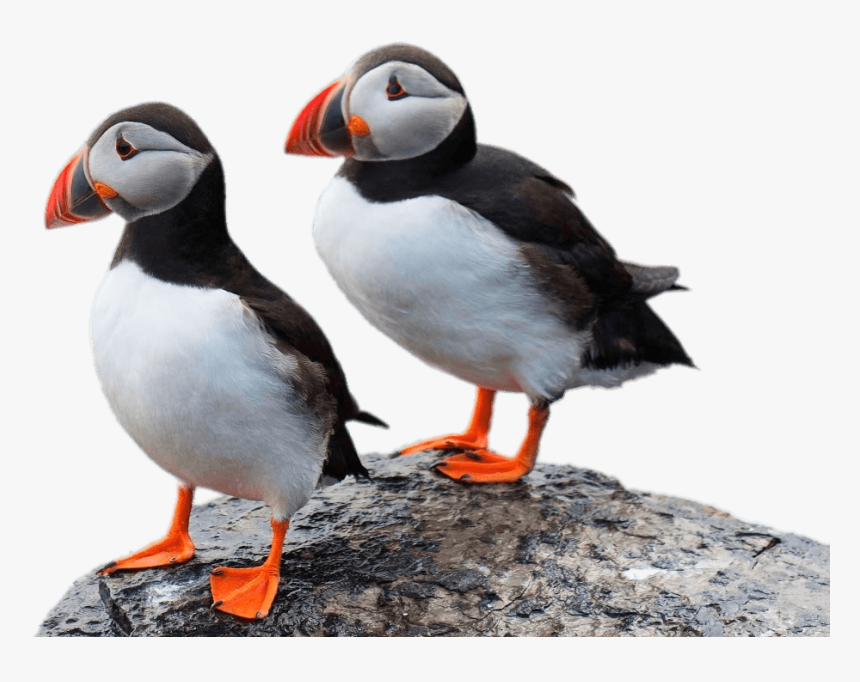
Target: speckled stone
pixel 566 551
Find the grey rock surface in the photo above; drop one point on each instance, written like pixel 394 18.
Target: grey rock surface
pixel 566 551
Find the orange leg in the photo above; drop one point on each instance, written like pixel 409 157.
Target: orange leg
pixel 249 592
pixel 174 548
pixel 483 466
pixel 474 438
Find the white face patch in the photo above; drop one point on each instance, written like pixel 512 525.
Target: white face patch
pixel 406 127
pixel 154 179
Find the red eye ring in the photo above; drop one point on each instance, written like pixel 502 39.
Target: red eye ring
pixel 395 90
pixel 124 149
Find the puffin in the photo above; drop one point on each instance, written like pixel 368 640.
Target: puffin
pixel 220 377
pixel 474 259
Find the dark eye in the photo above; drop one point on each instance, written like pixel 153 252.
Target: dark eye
pixel 124 149
pixel 395 90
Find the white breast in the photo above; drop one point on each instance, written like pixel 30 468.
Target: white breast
pixel 191 376
pixel 449 286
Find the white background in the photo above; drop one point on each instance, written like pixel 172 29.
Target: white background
pixel 722 140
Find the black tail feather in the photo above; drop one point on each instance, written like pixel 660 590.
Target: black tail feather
pixel 674 287
pixel 627 332
pixel 368 418
pixel 343 459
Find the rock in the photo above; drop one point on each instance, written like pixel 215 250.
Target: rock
pixel 564 552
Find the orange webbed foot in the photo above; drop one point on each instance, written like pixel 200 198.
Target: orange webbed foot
pixel 462 441
pixel 483 466
pixel 249 592
pixel 244 592
pixel 474 438
pixel 174 548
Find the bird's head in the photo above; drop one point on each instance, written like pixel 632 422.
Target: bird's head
pixel 396 102
pixel 141 161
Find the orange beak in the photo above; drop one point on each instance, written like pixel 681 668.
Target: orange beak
pixel 72 198
pixel 320 129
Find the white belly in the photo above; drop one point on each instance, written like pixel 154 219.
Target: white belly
pixel 197 384
pixel 448 286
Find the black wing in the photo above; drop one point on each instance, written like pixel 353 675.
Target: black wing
pixel 296 332
pixel 573 262
pixel 534 207
pixel 292 326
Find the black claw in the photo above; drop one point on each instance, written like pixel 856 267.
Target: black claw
pixel 216 604
pixel 465 477
pixel 216 571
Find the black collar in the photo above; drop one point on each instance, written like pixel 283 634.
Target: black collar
pixel 395 180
